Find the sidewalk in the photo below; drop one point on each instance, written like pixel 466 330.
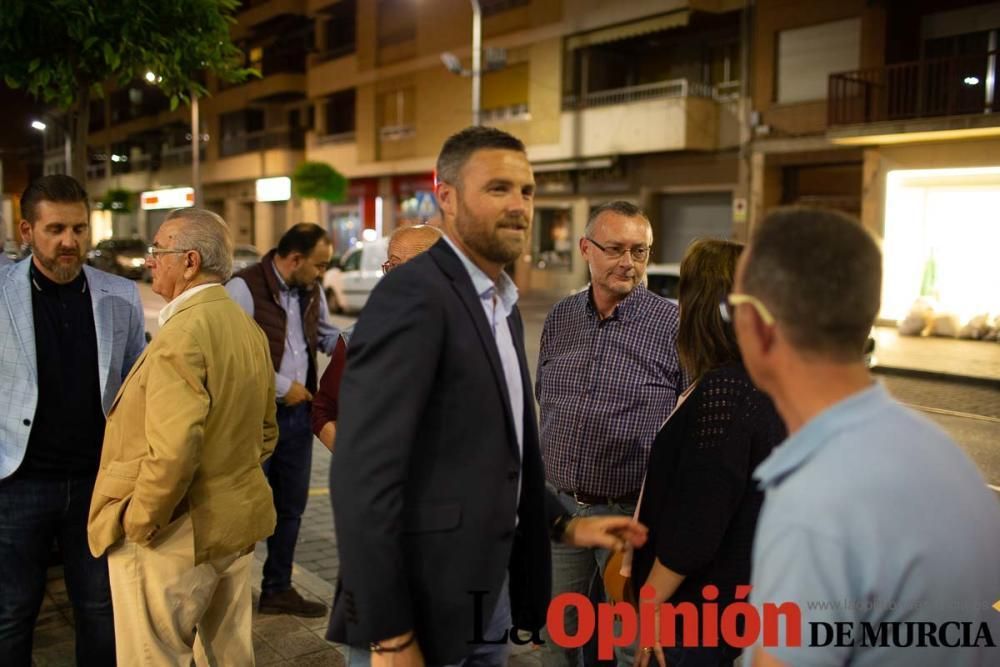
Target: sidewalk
pixel 971 361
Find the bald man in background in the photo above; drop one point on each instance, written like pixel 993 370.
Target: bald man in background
pixel 404 244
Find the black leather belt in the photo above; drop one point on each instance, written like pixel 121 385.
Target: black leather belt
pixel 588 499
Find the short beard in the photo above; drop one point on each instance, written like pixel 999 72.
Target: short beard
pixel 487 243
pixel 63 273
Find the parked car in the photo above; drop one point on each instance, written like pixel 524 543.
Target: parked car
pixel 123 257
pixel 348 284
pixel 244 256
pixel 664 279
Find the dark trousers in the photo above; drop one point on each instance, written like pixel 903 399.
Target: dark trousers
pixel 32 513
pixel 288 472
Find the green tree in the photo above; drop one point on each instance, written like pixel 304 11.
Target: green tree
pixel 62 51
pixel 318 180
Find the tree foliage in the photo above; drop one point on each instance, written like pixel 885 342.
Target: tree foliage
pixel 318 180
pixel 62 51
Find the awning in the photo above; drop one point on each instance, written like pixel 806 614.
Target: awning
pixel 645 26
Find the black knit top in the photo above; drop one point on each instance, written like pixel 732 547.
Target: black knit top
pixel 700 501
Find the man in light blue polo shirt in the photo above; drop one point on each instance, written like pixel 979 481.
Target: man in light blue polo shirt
pixel 874 522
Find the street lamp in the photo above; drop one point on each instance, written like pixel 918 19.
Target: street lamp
pixel 154 79
pixel 41 127
pixel 495 59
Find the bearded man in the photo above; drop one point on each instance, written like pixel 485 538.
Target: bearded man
pixel 442 518
pixel 69 335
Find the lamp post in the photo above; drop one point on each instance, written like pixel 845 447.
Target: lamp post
pixel 67 146
pixel 477 56
pixel 495 59
pixel 195 140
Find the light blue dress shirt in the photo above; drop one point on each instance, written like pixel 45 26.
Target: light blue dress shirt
pixel 873 515
pixel 295 360
pixel 498 300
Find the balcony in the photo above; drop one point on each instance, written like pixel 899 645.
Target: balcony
pixel 669 115
pixel 955 94
pixel 286 138
pixel 256 12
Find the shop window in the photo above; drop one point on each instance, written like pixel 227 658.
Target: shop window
pixel 553 249
pixel 808 56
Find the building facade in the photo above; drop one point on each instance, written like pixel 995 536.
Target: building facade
pixel 887 110
pixel 638 100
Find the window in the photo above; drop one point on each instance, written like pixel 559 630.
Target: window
pixel 396 21
pixel 396 114
pixel 553 239
pixel 241 131
pixel 339 109
pixel 491 7
pixel 341 29
pixel 807 57
pixel 506 88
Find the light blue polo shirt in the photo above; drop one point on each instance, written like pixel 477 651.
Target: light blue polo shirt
pixel 873 515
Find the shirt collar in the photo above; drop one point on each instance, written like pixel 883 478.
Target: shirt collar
pixel 282 285
pixel 171 308
pixel 504 288
pixel 625 309
pixel 794 452
pixel 43 284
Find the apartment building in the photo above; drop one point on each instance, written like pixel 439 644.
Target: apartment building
pixel 637 100
pixel 887 110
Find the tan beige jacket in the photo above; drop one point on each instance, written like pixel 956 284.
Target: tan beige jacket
pixel 187 433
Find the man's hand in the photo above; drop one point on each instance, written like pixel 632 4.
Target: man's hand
pixel 327 435
pixel 606 532
pixel 297 393
pixel 411 656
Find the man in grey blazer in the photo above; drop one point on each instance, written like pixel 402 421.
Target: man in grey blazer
pixel 68 336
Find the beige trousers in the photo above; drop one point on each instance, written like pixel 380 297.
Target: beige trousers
pixel 169 611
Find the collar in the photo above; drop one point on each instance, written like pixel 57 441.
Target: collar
pixel 504 288
pixel 626 309
pixel 44 285
pixel 171 308
pixel 796 451
pixel 282 285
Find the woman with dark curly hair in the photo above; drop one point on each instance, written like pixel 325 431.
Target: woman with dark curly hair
pixel 699 500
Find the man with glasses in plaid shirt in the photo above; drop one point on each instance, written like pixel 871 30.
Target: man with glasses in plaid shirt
pixel 608 376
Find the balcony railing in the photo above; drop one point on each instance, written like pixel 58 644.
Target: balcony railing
pixel 292 138
pixel 922 89
pixel 650 91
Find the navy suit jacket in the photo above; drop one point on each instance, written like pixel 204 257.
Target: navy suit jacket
pixel 425 471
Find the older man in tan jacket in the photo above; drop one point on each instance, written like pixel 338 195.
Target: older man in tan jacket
pixel 180 498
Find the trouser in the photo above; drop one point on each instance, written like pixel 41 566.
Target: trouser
pixel 170 611
pixel 483 655
pixel 288 471
pixel 577 570
pixel 32 513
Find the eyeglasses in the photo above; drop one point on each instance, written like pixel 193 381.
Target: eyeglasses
pixel 152 252
pixel 639 253
pixel 728 305
pixel 389 266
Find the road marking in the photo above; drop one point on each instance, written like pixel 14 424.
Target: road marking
pixel 322 491
pixel 953 413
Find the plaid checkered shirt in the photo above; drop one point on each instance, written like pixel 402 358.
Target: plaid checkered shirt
pixel 604 388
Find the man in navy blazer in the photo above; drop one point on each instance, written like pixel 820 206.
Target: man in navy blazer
pixel 68 336
pixel 442 518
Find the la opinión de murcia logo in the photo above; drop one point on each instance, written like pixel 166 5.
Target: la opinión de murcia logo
pixel 740 624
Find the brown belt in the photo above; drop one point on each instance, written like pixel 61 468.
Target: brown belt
pixel 588 499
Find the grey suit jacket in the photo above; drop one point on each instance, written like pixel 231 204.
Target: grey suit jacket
pixel 120 327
